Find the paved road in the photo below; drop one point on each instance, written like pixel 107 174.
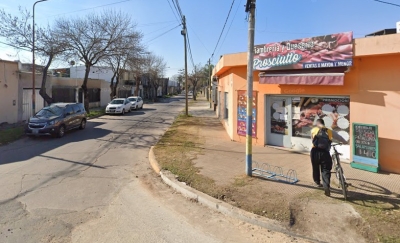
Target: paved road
pixel 96 185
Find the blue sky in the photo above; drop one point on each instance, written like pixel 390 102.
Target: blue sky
pixel 276 20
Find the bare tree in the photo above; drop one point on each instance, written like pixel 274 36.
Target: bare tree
pixel 136 63
pixel 94 38
pixel 196 78
pixel 156 68
pixel 129 48
pixel 18 33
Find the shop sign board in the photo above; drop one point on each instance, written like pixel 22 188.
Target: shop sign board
pixel 328 51
pixel 242 113
pixel 365 147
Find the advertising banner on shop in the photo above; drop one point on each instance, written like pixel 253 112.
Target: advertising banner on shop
pixel 335 111
pixel 242 113
pixel 328 51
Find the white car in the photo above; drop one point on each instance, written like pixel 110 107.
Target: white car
pixel 136 102
pixel 118 106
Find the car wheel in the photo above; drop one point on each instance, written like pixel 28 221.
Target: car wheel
pixel 123 112
pixel 141 107
pixel 61 132
pixel 83 124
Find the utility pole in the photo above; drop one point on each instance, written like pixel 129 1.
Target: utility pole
pixel 250 8
pixel 33 60
pixel 183 32
pixel 209 82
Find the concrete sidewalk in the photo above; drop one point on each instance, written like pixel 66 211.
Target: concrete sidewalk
pixel 223 160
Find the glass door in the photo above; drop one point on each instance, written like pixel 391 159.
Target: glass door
pixel 279 128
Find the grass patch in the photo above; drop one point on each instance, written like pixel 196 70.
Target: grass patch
pixel 96 113
pixel 11 134
pixel 177 149
pixel 388 239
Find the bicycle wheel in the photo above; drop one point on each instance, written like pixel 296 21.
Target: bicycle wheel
pixel 342 182
pixel 335 164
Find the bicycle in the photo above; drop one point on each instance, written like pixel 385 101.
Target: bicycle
pixel 339 170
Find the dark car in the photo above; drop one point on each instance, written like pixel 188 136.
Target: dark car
pixel 56 119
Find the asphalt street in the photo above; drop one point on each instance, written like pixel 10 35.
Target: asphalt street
pixel 96 185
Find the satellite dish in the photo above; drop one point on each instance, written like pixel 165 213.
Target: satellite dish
pixel 72 63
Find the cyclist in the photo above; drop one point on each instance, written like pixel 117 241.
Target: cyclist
pixel 320 157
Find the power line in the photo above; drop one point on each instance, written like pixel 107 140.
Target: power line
pixel 393 4
pixel 169 3
pixel 229 28
pixel 16 47
pixel 163 33
pixel 223 28
pixel 156 23
pixel 177 9
pixel 104 5
pixel 190 50
pixel 200 40
pixel 163 28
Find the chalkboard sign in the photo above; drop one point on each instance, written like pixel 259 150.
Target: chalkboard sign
pixel 365 144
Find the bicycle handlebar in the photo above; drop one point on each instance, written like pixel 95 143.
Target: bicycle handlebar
pixel 336 144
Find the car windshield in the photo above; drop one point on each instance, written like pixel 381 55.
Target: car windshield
pixel 132 99
pixel 117 102
pixel 50 111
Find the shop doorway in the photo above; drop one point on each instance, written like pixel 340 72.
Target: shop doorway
pixel 279 127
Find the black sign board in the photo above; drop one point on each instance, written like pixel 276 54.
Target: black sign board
pixel 365 144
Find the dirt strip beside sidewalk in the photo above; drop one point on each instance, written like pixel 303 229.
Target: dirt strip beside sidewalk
pixel 199 152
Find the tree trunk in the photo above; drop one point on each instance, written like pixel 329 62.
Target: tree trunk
pixel 85 89
pixel 112 94
pixel 116 85
pixel 42 91
pixel 155 93
pixel 194 93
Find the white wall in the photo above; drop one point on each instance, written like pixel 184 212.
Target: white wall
pixel 104 73
pixel 9 85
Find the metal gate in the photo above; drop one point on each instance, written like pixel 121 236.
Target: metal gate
pixel 27 103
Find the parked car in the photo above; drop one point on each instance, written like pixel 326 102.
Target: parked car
pixel 118 106
pixel 56 119
pixel 136 101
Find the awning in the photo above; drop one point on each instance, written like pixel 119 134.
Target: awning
pixel 328 76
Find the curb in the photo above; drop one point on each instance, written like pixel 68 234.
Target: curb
pixel 153 162
pixel 217 205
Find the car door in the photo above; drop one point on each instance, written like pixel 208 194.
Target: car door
pixel 127 105
pixel 140 102
pixel 69 117
pixel 77 115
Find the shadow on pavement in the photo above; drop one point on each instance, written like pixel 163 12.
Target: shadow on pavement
pixel 30 147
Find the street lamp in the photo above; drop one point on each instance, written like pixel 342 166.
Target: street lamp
pixel 33 59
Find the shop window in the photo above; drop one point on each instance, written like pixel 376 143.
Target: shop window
pixel 279 117
pixel 226 109
pixel 334 111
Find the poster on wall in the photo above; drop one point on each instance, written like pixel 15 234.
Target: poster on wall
pixel 334 111
pixel 242 113
pixel 328 51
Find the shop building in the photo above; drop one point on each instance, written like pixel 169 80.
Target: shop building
pixel 336 78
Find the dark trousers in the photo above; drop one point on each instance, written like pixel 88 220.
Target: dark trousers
pixel 321 161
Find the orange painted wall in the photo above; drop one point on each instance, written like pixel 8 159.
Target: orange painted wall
pixel 373 84
pixel 378 102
